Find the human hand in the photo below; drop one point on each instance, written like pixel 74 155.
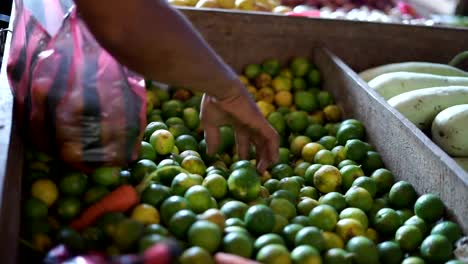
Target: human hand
pixel 223 258
pixel 241 112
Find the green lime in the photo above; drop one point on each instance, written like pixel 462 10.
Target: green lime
pixel 419 223
pixel 409 237
pixel 429 207
pixel 156 229
pixel 271 66
pixel 356 214
pixel 155 194
pixel 297 144
pixel 283 207
pixel 301 168
pixel 289 233
pixel 182 182
pixel 172 205
pixel 205 234
pixel 174 121
pixel 234 222
pixel 449 229
pixel 289 184
pixel 334 199
pixel 324 157
pixel 300 66
pixel 306 254
pixel 74 183
pixel 340 154
pixel 251 71
pixel 153 126
pixel 367 183
pixel 327 179
pixel 191 118
pixel 241 164
pixel 175 130
pixel 309 174
pixel 180 223
pixel 244 184
pixel 348 227
pixel 378 204
pixel 364 250
pixel 216 185
pixel 127 232
pixel 274 254
pixel 35 209
pixel 346 162
pixel 299 84
pixel 413 260
pixel 405 214
pixel 360 198
pixel 227 138
pixel 238 243
pixel 259 219
pixel 325 98
pixel 271 185
pixel 281 171
pixel 337 256
pixel 285 195
pixel 372 161
pixel 313 76
pixel 309 191
pixel 355 150
pixel 108 222
pixel 315 132
pixel 148 241
pixel 268 239
pixel 386 221
pixel 71 239
pixel 68 207
pixel 280 223
pixel 350 173
pixel 324 217
pixel 196 255
pixel 347 132
pixel 94 194
pixel 146 151
pixel 186 142
pixel 277 121
pixel 297 121
pixel 384 180
pixel 306 101
pixel 172 108
pixel 389 253
pixel 402 195
pixel 234 209
pixel 139 171
pixel 329 142
pixel 301 220
pixel 162 141
pixel 198 198
pixel 311 236
pixel 194 164
pixel 436 249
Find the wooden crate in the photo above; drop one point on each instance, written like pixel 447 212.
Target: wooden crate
pixel 242 38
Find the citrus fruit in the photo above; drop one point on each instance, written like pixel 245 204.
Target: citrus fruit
pixel 324 217
pixel 145 214
pixel 234 222
pixel 265 108
pixel 299 84
pixel 332 240
pixel 268 239
pixel 332 113
pixel 429 207
pixel 324 98
pixel 109 221
pixel 436 249
pixel 205 235
pixel 216 185
pixel 405 214
pixel 244 184
pixel 266 94
pixel 182 182
pixel 172 205
pixel 162 141
pixel 259 219
pixel 325 157
pixel 156 229
pixel 148 241
pixel 345 163
pixel 289 233
pixel 315 132
pixel 186 142
pixel 389 253
pixel 280 223
pixel 310 150
pixel 367 183
pixel 196 255
pixel 44 190
pixel 402 195
pixel 290 184
pixel 35 209
pixel 413 260
pixel 347 228
pixel 306 254
pixel 283 207
pixel 384 180
pixel 155 194
pixel 372 235
pixel 234 209
pixel 301 220
pixel 337 256
pixel 419 223
pixel 306 205
pixel 299 66
pixel 360 198
pixel 309 191
pixel 313 76
pixel 238 243
pixel 327 179
pixel 297 121
pixel 305 101
pixel 194 164
pixel 386 221
pixel 139 170
pixel 127 232
pixel 356 214
pixel 334 199
pixel 339 153
pixel 372 161
pixel 70 238
pixel 153 126
pixel 301 168
pixel 364 250
pixel 93 237
pixel 271 66
pixel 309 174
pixel 263 80
pixel 281 171
pixel 355 149
pixel 74 183
pixel 283 98
pixel 251 71
pixel 350 173
pixel 68 207
pixel 191 118
pixel 347 132
pixel 198 198
pixel 274 254
pixel 172 108
pixel 409 237
pixel 281 83
pixel 277 121
pixel 177 130
pixel 146 151
pixel 311 236
pixel 180 223
pixel 215 216
pixel 449 229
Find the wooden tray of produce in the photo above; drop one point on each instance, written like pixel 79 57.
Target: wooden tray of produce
pixel 245 38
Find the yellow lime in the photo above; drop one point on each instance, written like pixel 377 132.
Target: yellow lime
pixel 45 190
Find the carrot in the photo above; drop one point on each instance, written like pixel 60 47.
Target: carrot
pixel 119 200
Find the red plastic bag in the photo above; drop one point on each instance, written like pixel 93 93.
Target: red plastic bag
pixel 75 101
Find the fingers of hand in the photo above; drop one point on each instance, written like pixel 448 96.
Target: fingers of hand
pixel 223 258
pixel 212 138
pixel 243 143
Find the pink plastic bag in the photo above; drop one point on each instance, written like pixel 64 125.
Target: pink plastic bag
pixel 75 101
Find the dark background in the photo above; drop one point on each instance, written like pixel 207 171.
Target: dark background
pixel 5 9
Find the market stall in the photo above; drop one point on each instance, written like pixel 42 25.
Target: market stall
pixel 354 173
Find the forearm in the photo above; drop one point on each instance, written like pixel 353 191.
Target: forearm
pixel 156 41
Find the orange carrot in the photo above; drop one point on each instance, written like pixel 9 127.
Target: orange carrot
pixel 119 200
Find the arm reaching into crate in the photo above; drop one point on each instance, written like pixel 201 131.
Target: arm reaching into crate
pixel 154 39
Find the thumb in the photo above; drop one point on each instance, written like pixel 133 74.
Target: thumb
pixel 212 138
